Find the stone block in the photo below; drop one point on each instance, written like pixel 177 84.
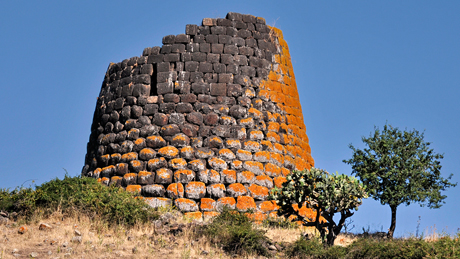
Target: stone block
pixel 195 190
pixel 186 205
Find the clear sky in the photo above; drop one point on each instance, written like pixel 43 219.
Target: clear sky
pixel 357 64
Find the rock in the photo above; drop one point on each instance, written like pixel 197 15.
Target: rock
pixel 22 230
pixel 77 233
pixel 272 247
pixel 33 255
pixel 3 220
pixel 44 226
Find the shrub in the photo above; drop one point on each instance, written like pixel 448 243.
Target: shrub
pixel 82 194
pixel 234 231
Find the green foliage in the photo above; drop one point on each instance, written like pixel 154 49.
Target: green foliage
pixel 324 192
pixel 279 223
pixel 400 168
pixel 445 247
pixel 235 232
pixel 82 194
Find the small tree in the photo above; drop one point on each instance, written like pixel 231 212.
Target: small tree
pixel 326 193
pixel 399 167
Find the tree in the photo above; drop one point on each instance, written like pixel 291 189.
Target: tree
pixel 400 168
pixel 326 193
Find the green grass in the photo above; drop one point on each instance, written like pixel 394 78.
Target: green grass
pixel 77 194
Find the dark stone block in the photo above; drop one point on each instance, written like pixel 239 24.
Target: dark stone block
pixel 199 56
pixel 114 116
pixel 164 88
pixel 149 130
pixel 247 51
pixel 191 66
pixel 176 118
pixel 234 90
pixel 238 41
pixel 166 49
pixel 222 131
pixel 182 87
pixel 184 108
pixel 244 102
pixel 205 47
pixel 199 38
pixel 210 78
pixel 219 68
pixel 218 30
pixel 251 27
pixel 131 100
pixel 178 48
pixel 173 57
pixel 231 49
pixel 193 47
pixel 183 76
pixel 191 29
pixel 110 106
pixel 217 48
pixel 259 53
pixel 203 106
pixel 200 88
pixel 212 38
pixel 233 68
pixel 204 131
pixel 213 58
pixel 231 31
pixel 169 130
pixel 118 127
pixel 240 25
pixel 187 98
pixel 211 119
pixel 189 129
pixel 230 101
pixel 163 77
pixel 182 38
pixel 160 119
pixel 237 112
pixel 262 73
pixel 225 78
pixel 125 113
pixel 170 39
pixel 195 118
pixel 142 79
pixel 243 80
pixel 127 90
pixel 248 71
pixel 225 39
pixel 184 57
pixel 240 60
pixel 150 109
pixel 136 111
pixel 226 59
pixel 147 69
pixel 155 58
pixel 180 140
pixel 214 142
pixel 144 120
pixel 244 34
pixel 178 66
pixel 196 77
pixel 262 28
pixel 167 108
pixel 218 89
pixel 141 90
pixel 249 18
pixel 171 98
pixel 205 67
pixel 234 16
pixel 224 22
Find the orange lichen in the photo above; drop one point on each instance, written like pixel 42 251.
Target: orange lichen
pixel 129 156
pixel 237 188
pixel 135 163
pixel 258 191
pixel 233 143
pixel 194 215
pixel 272 170
pixel 207 204
pixel 273 137
pixel 139 141
pixel 178 163
pixel 245 203
pixel 177 189
pixel 256 114
pixel 273 126
pixel 226 154
pixel 208 215
pixel 227 201
pixel 236 164
pixel 146 151
pixel 134 188
pixel 278 148
pixel 247 122
pixel 255 167
pixel 187 149
pixel 243 154
pixel 267 206
pixel 188 173
pixel 168 151
pixel 266 145
pixel 256 135
pixel 258 217
pixel 264 178
pixel 262 156
pixel 252 145
pixel 279 181
pixel 276 158
pixel 248 176
pixel 229 174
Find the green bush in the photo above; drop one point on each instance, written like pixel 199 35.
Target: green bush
pixel 78 194
pixel 234 231
pixel 314 248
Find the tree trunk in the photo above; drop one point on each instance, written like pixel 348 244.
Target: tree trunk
pixel 391 230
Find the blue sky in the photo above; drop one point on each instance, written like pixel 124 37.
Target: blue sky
pixel 357 64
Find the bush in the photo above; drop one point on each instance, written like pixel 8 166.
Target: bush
pixel 78 194
pixel 234 231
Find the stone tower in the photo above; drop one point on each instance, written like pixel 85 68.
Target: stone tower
pixel 210 118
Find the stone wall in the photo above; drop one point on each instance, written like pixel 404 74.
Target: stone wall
pixel 211 118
